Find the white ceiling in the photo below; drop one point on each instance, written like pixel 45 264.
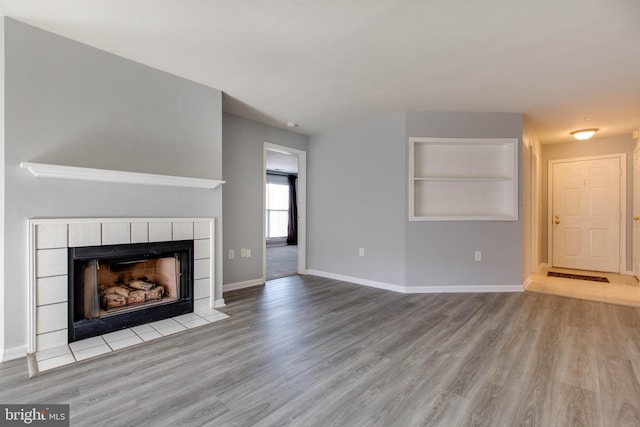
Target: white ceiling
pixel 324 64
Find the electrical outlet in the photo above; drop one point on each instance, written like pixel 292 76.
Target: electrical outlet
pixel 243 253
pixel 248 253
pixel 478 256
pixel 361 251
pixel 232 254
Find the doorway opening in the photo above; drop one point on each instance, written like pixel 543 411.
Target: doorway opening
pixel 284 211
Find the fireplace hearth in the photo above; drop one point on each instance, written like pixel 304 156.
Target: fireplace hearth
pixel 113 287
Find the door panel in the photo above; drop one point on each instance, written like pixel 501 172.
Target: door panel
pixel 586 214
pixel 572 241
pixel 572 203
pixel 596 206
pixel 598 243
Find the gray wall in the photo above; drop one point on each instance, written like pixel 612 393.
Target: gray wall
pixel 357 180
pixel 358 184
pixel 71 104
pixel 593 147
pixel 242 155
pixel 442 252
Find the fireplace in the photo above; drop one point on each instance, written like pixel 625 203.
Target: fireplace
pixel 113 287
pixel 52 305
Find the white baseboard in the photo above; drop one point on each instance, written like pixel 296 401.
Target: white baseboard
pixel 420 289
pixel 219 303
pixel 242 285
pixel 357 280
pixel 455 289
pixel 12 353
pixel 541 266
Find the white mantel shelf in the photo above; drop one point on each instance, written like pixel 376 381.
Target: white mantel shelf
pixel 42 170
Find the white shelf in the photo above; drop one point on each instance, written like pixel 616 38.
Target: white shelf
pixel 455 179
pixel 43 170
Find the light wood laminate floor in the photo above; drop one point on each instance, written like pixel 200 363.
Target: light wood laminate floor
pixel 308 351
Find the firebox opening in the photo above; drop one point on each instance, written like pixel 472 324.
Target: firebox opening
pixel 119 286
pixel 130 285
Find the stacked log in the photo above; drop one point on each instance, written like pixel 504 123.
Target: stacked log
pixel 113 301
pixel 133 292
pixel 136 297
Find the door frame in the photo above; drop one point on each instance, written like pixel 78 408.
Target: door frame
pixel 301 200
pixel 535 207
pixel 622 157
pixel 635 188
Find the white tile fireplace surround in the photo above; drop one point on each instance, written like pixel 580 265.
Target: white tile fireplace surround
pixel 49 242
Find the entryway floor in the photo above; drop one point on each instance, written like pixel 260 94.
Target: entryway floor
pixel 622 289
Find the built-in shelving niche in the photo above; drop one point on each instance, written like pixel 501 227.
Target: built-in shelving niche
pixel 463 179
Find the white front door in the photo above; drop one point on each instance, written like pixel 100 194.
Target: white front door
pixel 636 212
pixel 586 214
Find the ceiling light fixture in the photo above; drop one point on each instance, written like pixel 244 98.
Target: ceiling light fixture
pixel 583 134
pixel 586 132
pixel 292 125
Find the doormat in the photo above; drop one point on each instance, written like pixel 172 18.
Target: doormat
pixel 578 277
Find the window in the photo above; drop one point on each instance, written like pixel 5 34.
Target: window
pixel 277 217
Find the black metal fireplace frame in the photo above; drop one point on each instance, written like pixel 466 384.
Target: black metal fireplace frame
pixel 78 256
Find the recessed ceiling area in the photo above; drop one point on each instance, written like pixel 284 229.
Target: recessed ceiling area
pixel 325 64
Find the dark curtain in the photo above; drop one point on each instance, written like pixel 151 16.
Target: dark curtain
pixel 292 231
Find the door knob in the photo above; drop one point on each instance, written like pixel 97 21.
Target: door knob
pixel 635 218
pixel 557 221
